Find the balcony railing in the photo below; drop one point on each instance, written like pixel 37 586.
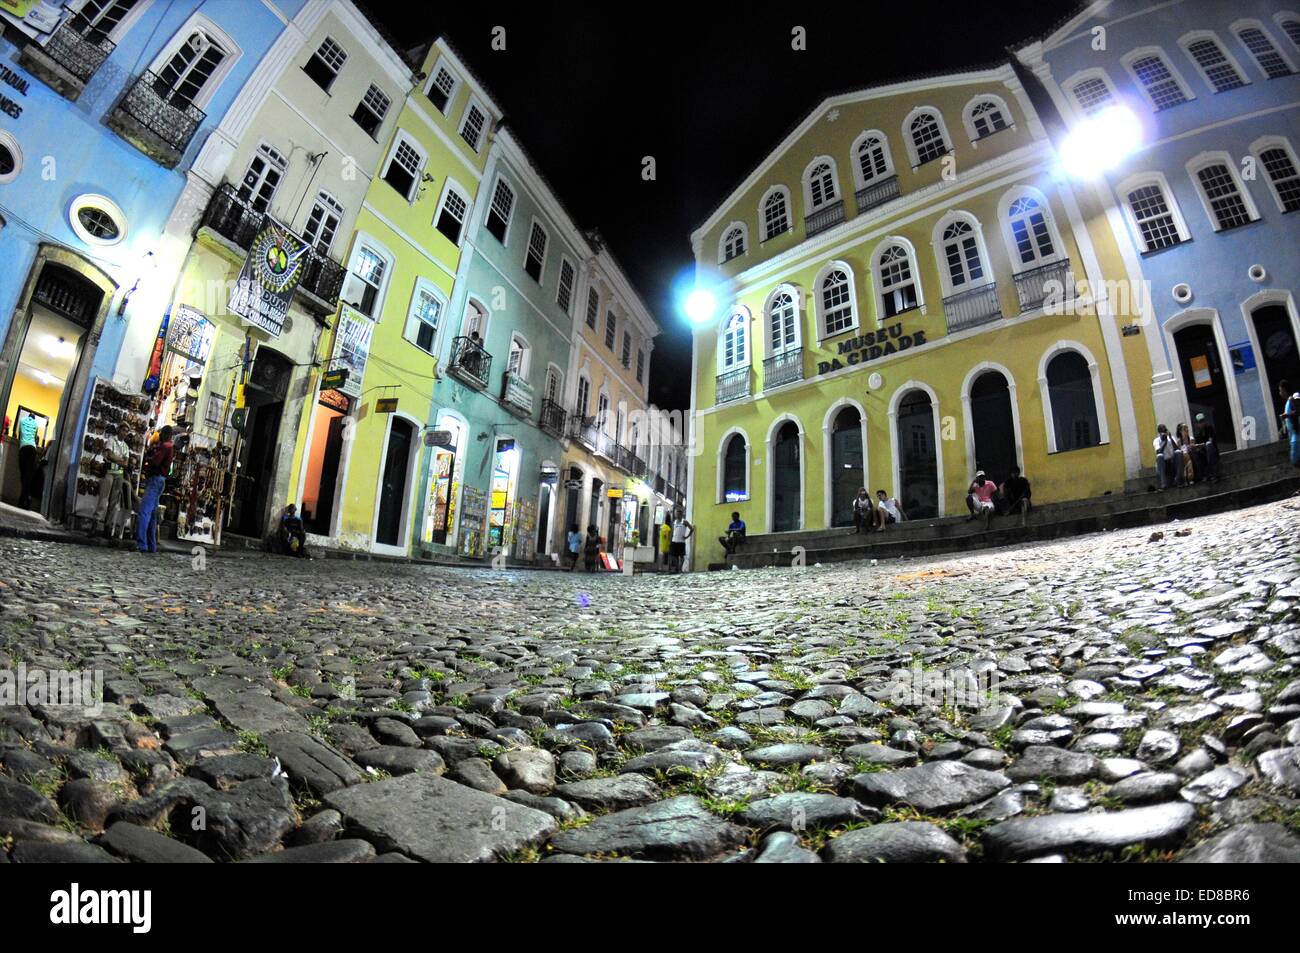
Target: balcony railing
pixel 72 55
pixel 155 119
pixel 626 459
pixel 969 309
pixel 877 194
pixel 783 368
pixel 238 222
pixel 552 418
pixel 732 385
pixel 591 434
pixel 516 394
pixel 1034 285
pixel 824 218
pixel 470 362
pixel 661 485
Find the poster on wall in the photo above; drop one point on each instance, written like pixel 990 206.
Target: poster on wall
pixel 270 274
pixel 1200 365
pixel 36 18
pixel 525 530
pixel 473 512
pixel 352 348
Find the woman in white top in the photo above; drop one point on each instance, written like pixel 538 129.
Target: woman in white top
pixel 682 531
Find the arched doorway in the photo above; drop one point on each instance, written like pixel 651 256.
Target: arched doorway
pixel 393 482
pixel 993 426
pixel 265 392
pixel 786 481
pixel 1277 353
pixel 545 501
pixel 1204 382
pixel 918 461
pixel 846 464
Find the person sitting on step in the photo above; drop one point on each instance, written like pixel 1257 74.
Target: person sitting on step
pixel 888 510
pixel 979 498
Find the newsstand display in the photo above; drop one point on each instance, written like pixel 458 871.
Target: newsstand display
pixel 110 407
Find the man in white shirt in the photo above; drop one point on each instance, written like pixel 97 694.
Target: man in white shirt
pixel 1169 457
pixel 109 512
pixel 888 510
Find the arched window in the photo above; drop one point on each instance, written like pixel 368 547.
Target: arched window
pixel 1033 240
pixel 896 280
pixel 821 187
pixel 984 116
pixel 1073 402
pixel 517 362
pixel 188 75
pixel 1280 168
pixel 733 243
pixel 836 296
pixel 734 346
pixel 925 132
pixel 1226 201
pixel 735 469
pixel 1290 24
pixel 1219 71
pixel 871 160
pixel 1156 77
pixel 775 213
pixel 1091 91
pixel 963 265
pixel 1260 46
pixel 783 323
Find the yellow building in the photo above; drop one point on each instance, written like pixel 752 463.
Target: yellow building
pixel 907 293
pixel 358 463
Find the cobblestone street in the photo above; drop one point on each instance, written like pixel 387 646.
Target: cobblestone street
pixel 1126 696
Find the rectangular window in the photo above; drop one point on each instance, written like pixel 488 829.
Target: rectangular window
pixel 325 63
pixel 640 364
pixel 627 349
pixel 564 293
pixel 503 201
pixel 1092 95
pixel 471 130
pixel 610 328
pixel 593 308
pixel 536 252
pixel 422 322
pixel 1159 82
pixel 262 178
pixel 1221 192
pixel 441 89
pixel 183 78
pixel 1154 219
pixel 97 20
pixel 323 223
pixel 403 169
pixel 1219 71
pixel 365 278
pixel 452 217
pixel 371 110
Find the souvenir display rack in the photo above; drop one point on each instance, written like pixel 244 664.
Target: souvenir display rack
pixel 109 407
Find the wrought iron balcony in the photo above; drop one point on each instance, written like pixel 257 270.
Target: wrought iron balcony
pixel 823 218
pixel 661 485
pixel 470 362
pixel 73 54
pixel 627 460
pixel 1035 284
pixel 732 385
pixel 235 220
pixel 969 309
pixel 877 193
pixel 516 394
pixel 591 434
pixel 783 368
pixel 552 418
pixel 156 119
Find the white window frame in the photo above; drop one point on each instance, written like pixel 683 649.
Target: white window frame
pixel 362 103
pixel 329 37
pixel 198 23
pixel 501 180
pixel 722 242
pixel 587 317
pixel 441 66
pixel 413 321
pixel 582 402
pixel 762 211
pixel 1282 18
pixel 968 116
pixel 1239 25
pixel 1205 159
pixel 859 180
pixel 1196 36
pixel 450 186
pixel 910 143
pixel 879 289
pixel 104 205
pixel 573 284
pixel 1265 143
pixel 1009 198
pixel 405 137
pixel 1142 53
pixel 797 299
pixel 128 19
pixel 806 178
pixel 1137 181
pixel 747 342
pixel 1071 88
pixel 474 303
pixel 379 250
pixel 475 103
pixel 10 142
pixel 525 354
pixel 553 372
pixel 329 202
pixel 855 317
pixel 536 224
pixel 941 254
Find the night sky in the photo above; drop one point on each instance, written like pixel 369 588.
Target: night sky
pixel 706 94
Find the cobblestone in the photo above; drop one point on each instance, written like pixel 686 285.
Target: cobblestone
pixel 1116 696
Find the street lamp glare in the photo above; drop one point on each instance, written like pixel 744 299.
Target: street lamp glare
pixel 1101 142
pixel 700 306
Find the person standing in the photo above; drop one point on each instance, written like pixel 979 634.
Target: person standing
pixel 682 531
pixel 1208 449
pixel 157 465
pixel 979 498
pixel 666 540
pixel 573 543
pixel 1291 419
pixel 862 511
pixel 29 458
pixel 112 487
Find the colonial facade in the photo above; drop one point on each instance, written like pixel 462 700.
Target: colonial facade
pixel 103 105
pixel 1203 209
pixel 900 305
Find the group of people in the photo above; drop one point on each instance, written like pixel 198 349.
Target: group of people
pixel 869 514
pixel 985 499
pixel 1184 457
pixel 673 534
pixel 114 503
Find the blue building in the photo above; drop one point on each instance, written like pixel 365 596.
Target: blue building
pixel 103 106
pixel 1205 210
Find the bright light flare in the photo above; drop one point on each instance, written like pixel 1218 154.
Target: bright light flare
pixel 700 306
pixel 1101 142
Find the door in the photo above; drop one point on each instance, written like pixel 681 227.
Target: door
pixel 1205 383
pixel 1278 355
pixel 392 487
pixel 846 465
pixel 266 389
pixel 786 483
pixel 918 463
pixel 322 511
pixel 442 473
pixel 993 426
pixel 573 502
pixel 544 498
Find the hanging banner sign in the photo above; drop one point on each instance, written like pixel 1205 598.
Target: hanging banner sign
pixel 352 349
pixel 439 438
pixel 270 274
pixel 190 334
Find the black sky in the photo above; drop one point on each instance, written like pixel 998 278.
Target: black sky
pixel 708 94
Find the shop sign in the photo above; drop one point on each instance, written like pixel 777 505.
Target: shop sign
pixel 11 79
pixel 334 379
pixel 190 335
pixel 386 405
pixel 1243 357
pixel 335 400
pixel 872 346
pixel 352 349
pixel 439 438
pixel 616 493
pixel 270 274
